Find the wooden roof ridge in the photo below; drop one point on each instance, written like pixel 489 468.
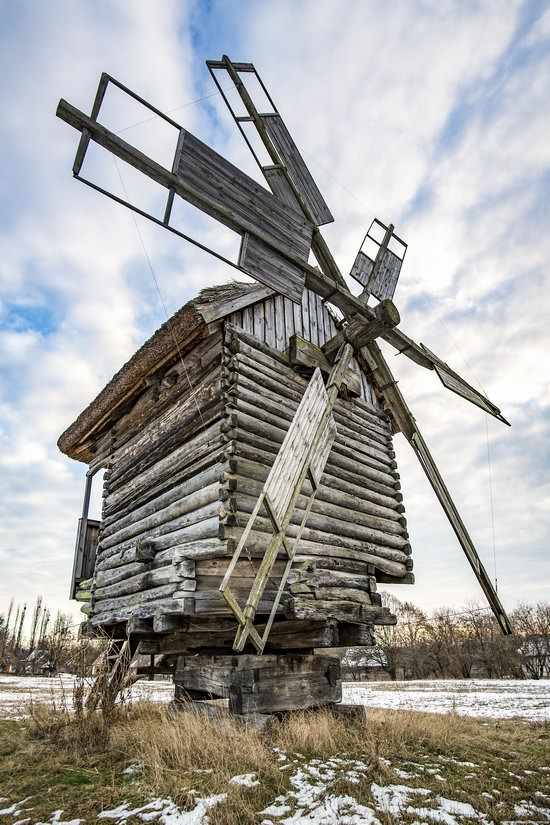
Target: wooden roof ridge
pixel 182 330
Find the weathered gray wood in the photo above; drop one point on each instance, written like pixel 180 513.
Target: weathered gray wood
pixel 180 512
pixel 139 583
pixel 198 524
pixel 315 544
pixel 153 594
pixel 317 610
pixel 297 169
pixel 216 309
pixel 361 333
pixel 241 203
pixel 188 490
pixel 362 268
pixel 263 684
pixel 264 264
pixel 303 353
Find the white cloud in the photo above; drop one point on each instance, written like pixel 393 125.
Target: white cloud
pixel 423 110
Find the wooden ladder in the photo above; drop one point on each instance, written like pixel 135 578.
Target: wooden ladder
pixel 303 454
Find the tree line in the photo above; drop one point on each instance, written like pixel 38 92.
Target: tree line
pixel 450 643
pixel 457 644
pixel 48 646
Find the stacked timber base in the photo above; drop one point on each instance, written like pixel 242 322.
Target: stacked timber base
pixel 259 685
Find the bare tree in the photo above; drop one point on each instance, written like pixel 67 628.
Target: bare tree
pixel 532 625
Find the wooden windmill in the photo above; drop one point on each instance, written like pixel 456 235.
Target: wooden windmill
pixel 279 229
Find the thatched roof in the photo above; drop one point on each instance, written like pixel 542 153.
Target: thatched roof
pixel 182 331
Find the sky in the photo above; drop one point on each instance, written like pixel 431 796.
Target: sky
pixel 429 114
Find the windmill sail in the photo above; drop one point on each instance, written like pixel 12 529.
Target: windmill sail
pixel 387 385
pixel 276 238
pixel 379 272
pixel 288 176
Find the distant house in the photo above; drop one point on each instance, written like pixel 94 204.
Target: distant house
pixel 535 657
pixel 39 661
pixel 365 664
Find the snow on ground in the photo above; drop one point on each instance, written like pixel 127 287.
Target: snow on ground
pixel 316 796
pixel 496 698
pixel 17 691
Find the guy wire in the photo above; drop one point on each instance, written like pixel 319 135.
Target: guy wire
pixel 170 327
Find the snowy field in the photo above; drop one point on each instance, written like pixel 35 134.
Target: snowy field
pixel 17 691
pixel 500 699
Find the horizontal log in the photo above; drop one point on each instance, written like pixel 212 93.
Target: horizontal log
pixel 257 543
pixel 141 611
pixel 348 594
pixel 200 492
pixel 239 341
pixel 153 529
pixel 316 609
pixel 331 530
pixel 113 558
pixel 211 548
pixel 257 452
pixel 118 574
pixel 257 424
pixel 134 599
pixel 205 442
pixel 356 512
pixel 135 584
pixel 202 360
pixel 245 395
pixel 159 549
pixel 331 578
pixel 180 499
pixel 181 429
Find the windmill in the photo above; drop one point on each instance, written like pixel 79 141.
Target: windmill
pixel 279 227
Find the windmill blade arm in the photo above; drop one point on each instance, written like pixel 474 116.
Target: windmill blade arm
pixel 387 385
pixel 288 175
pixel 450 379
pixel 434 477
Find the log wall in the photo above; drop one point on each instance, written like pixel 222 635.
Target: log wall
pixel 275 320
pixel 356 525
pixel 164 458
pixel 186 462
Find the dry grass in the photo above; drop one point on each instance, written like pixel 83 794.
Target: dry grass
pixel 80 759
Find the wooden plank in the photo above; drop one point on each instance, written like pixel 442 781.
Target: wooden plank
pixel 280 186
pixel 384 282
pixel 289 320
pixel 305 315
pixel 258 311
pixel 297 169
pixel 280 332
pixel 321 313
pixel 313 326
pixel 362 268
pixel 250 204
pixel 214 309
pixel 270 322
pixel 298 323
pixel 271 268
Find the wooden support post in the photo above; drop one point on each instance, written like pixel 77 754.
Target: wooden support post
pixel 266 684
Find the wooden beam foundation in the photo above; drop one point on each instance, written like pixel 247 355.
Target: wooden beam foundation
pixel 260 684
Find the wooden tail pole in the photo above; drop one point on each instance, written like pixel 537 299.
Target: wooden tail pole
pixel 387 384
